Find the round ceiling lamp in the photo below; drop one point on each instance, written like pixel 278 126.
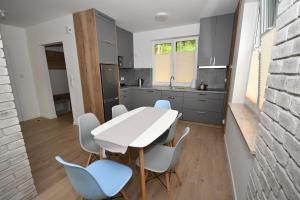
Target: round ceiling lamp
pixel 161 16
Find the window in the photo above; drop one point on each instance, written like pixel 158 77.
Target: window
pixel 261 54
pixel 175 58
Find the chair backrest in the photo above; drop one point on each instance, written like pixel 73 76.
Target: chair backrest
pixel 82 181
pixel 118 110
pixel 172 131
pixel 162 104
pixel 178 147
pixel 87 122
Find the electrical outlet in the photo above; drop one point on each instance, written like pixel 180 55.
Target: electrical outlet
pixel 122 78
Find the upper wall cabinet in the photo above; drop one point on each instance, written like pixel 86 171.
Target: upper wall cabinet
pixel 215 40
pixel 125 47
pixel 107 39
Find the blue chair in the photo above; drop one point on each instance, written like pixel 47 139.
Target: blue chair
pixel 100 180
pixel 162 104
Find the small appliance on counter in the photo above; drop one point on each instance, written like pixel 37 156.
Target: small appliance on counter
pixel 120 61
pixel 140 82
pixel 202 86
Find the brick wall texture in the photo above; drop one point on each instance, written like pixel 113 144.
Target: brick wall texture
pixel 276 171
pixel 16 180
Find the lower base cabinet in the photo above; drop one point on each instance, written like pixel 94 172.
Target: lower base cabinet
pixel 203 107
pixel 202 116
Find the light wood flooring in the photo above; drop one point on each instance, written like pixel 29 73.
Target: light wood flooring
pixel 203 165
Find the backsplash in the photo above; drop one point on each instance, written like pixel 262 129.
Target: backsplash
pixel 214 78
pixel 131 76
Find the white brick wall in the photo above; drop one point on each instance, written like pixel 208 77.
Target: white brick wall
pixel 16 180
pixel 276 171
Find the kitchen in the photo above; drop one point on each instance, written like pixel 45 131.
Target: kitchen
pixel 200 96
pixel 156 100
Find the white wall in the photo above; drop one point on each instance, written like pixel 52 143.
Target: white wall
pixel 142 41
pixel 19 66
pixel 59 81
pixel 52 32
pixel 243 50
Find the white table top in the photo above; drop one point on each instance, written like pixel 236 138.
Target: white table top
pixel 149 134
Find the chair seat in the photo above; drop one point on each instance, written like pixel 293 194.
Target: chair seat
pixel 110 175
pixel 158 158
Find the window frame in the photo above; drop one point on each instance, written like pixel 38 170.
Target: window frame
pixel 173 61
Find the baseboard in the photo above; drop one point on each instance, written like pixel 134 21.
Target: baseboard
pixel 203 124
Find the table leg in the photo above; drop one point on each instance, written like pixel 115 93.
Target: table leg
pixel 142 174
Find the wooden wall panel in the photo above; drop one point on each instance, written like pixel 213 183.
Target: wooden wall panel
pixel 87 49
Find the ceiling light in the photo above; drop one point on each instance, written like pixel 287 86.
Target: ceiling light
pixel 161 16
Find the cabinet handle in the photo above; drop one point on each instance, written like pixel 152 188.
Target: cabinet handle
pixel 107 41
pixel 201 100
pixel 171 97
pixel 202 94
pixel 150 91
pixel 201 112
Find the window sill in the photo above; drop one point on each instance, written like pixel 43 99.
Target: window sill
pixel 247 121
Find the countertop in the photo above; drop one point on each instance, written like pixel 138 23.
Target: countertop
pixel 167 88
pixel 248 123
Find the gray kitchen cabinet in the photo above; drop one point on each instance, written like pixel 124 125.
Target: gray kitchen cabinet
pixel 202 116
pixel 175 98
pixel 107 39
pixel 199 106
pixel 203 107
pixel 125 47
pixel 206 41
pixel 125 98
pixel 215 40
pixel 222 46
pixel 145 97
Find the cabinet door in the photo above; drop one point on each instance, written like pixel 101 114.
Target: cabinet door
pixel 125 47
pixel 223 39
pixel 145 97
pixel 206 41
pixel 106 32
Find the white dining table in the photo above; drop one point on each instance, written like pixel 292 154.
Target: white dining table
pixel 137 128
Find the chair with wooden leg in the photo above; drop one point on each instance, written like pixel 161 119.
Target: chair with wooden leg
pixel 100 180
pixel 87 122
pixel 163 159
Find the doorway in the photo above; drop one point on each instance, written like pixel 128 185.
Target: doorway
pixel 58 79
pixel 47 137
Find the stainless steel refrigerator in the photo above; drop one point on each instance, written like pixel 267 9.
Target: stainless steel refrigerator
pixel 110 87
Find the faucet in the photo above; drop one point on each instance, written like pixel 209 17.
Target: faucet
pixel 171 84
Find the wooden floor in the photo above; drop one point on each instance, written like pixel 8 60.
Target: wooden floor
pixel 203 166
pixel 44 139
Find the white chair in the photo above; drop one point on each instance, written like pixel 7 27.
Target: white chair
pixel 118 110
pixel 87 122
pixel 163 160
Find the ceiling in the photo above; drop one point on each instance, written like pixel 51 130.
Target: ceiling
pixel 133 15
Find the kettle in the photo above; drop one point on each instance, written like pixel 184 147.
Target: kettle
pixel 140 82
pixel 202 86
